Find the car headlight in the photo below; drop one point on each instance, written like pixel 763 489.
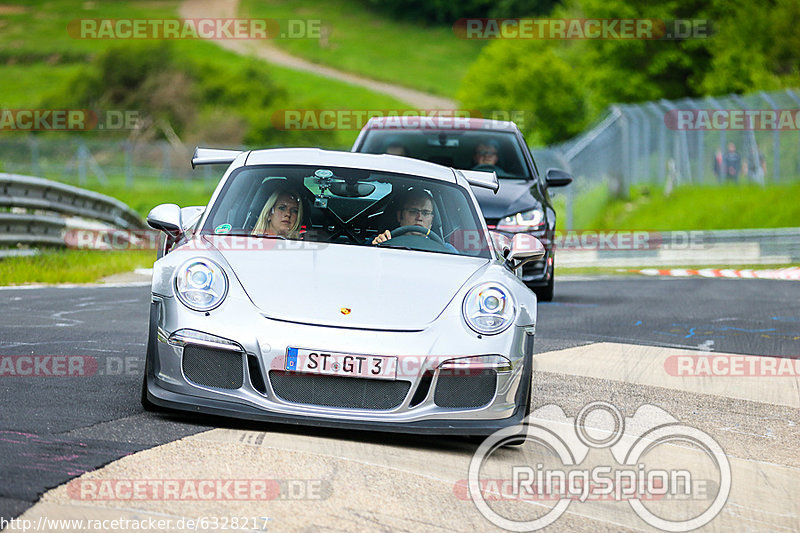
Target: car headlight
pixel 522 221
pixel 489 308
pixel 201 284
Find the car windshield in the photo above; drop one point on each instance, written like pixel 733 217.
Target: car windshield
pixel 348 206
pixel 464 149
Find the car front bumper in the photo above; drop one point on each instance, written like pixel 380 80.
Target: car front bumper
pixel 263 354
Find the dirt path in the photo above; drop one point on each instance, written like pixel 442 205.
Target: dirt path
pixel 267 51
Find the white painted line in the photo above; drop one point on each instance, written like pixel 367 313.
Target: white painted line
pixel 654 366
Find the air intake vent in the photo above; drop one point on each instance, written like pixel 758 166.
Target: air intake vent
pixel 465 391
pixel 213 368
pixel 335 391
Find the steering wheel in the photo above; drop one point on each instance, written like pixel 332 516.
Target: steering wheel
pixel 402 230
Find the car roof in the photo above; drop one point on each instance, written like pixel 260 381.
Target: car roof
pixel 380 163
pixel 439 122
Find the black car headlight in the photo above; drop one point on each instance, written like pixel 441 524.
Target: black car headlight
pixel 523 221
pixel 201 284
pixel 489 308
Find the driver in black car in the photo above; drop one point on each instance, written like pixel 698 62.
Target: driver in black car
pixel 416 209
pixel 486 157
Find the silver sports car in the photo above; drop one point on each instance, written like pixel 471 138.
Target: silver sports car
pixel 341 289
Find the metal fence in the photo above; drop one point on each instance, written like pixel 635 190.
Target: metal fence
pixel 631 144
pixel 85 160
pixel 648 143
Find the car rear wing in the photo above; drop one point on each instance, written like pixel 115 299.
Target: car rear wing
pixel 478 178
pixel 213 156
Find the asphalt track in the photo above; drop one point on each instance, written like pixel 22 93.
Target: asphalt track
pixel 53 429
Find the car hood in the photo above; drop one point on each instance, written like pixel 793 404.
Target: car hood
pixel 351 286
pixel 513 197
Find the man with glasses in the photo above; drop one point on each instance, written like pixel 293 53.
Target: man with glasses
pixel 416 209
pixel 486 157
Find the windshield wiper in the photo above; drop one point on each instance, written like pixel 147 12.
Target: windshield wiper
pixel 386 244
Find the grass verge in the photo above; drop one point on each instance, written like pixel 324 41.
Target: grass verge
pixel 39 58
pixel 357 39
pixel 71 266
pixel 145 194
pixel 704 208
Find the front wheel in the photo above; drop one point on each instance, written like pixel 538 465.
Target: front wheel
pixel 152 338
pixel 545 294
pixel 147 405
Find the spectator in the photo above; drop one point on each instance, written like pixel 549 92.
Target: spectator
pixel 733 163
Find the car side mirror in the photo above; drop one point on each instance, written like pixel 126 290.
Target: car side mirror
pixel 524 249
pixel 555 177
pixel 190 216
pixel 501 243
pixel 166 218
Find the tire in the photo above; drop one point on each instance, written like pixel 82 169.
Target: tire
pixel 147 404
pixel 148 358
pixel 545 294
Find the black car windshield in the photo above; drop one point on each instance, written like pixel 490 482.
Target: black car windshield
pixel 348 206
pixel 465 149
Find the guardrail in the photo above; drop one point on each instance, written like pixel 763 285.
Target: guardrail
pixel 44 199
pixel 46 195
pixel 31 229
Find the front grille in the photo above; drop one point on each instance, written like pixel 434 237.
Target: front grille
pixel 534 268
pixel 466 391
pixel 336 391
pixel 213 368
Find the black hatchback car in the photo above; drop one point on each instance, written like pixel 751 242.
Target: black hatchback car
pixel 521 205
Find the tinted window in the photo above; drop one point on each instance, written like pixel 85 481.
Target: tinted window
pixel 451 148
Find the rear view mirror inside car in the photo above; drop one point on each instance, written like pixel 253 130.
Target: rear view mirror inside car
pixel 352 189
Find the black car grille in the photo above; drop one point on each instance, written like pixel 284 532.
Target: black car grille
pixel 336 391
pixel 213 368
pixel 534 268
pixel 465 391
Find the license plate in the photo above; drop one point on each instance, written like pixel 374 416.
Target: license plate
pixel 341 364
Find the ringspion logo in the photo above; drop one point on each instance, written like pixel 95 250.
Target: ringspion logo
pixel 685 486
